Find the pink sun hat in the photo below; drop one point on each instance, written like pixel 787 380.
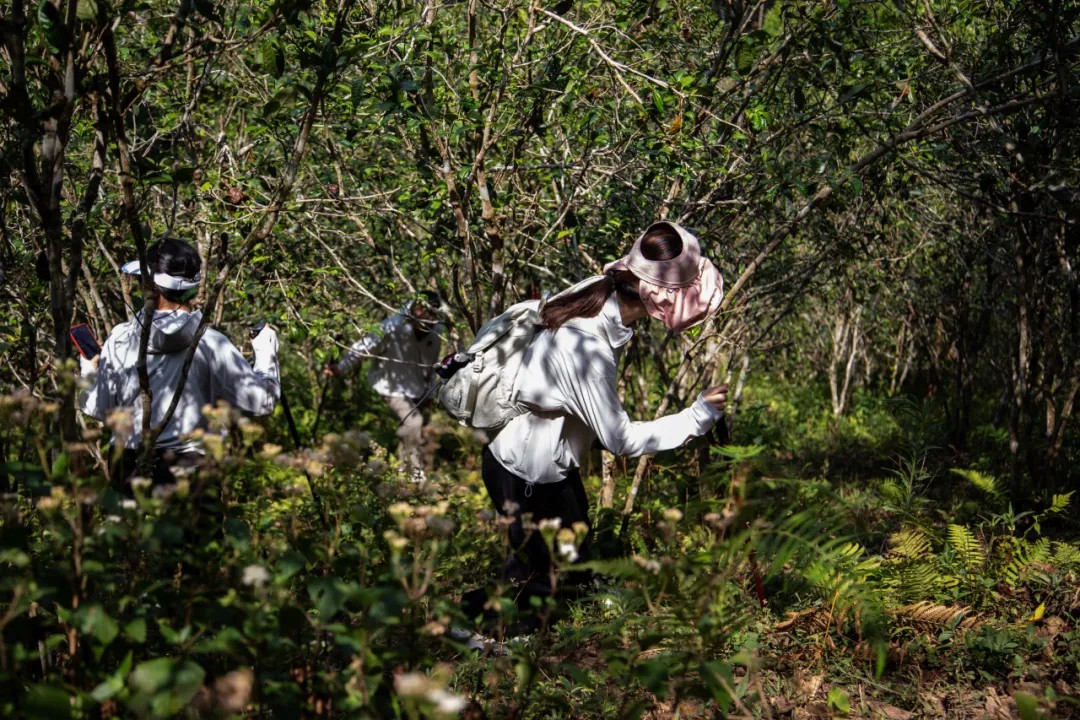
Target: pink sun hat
pixel 680 292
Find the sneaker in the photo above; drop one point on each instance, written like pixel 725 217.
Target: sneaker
pixel 418 476
pixel 483 643
pixel 478 642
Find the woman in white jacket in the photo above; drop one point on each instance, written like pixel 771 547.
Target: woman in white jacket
pixel 218 371
pixel 568 382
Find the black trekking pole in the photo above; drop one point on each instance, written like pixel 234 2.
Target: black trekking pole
pixel 293 432
pixel 318 410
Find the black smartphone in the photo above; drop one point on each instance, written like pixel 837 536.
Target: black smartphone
pixel 85 341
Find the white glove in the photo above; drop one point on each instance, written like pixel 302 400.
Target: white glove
pixel 265 344
pixel 88 367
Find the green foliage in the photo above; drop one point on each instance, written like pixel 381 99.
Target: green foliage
pixel 893 229
pixel 966 548
pixel 987 483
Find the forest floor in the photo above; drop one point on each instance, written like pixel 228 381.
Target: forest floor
pixel 802 670
pixel 984 644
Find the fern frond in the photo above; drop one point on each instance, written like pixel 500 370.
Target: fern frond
pixel 967 547
pixel 917 579
pixel 890 490
pixel 925 614
pixel 987 483
pixel 910 543
pixel 813 619
pixel 1024 560
pixel 1059 503
pixel 1066 556
pixel 622 568
pixel 840 576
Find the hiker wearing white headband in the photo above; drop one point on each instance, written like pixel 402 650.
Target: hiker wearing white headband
pixel 218 370
pixel 403 353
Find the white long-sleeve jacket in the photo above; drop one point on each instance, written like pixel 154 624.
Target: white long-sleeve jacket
pixel 568 380
pixel 218 372
pixel 404 363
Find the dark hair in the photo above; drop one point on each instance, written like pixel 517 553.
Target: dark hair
pixel 177 258
pixel 661 242
pixel 589 301
pixel 430 298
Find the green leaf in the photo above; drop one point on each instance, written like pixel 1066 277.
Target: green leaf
pixel 289 564
pixel 718 678
pixel 966 546
pixel 47 702
pixel 1059 503
pixel 839 701
pixel 744 59
pixel 272 58
pixel 135 630
pixel 114 683
pixel 653 674
pixel 86 9
pixel 228 641
pixel 97 623
pixel 1027 706
pixel 183 174
pixel 52 25
pixel 60 466
pixel 858 90
pixel 281 100
pixel 330 595
pixel 987 483
pixel 164 686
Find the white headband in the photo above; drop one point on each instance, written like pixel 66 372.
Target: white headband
pixel 163 280
pixel 172 282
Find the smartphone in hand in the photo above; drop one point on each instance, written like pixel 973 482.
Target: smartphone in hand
pixel 85 341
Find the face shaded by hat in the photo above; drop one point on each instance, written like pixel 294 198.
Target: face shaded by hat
pixel 680 291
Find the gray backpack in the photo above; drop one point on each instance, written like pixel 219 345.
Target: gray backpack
pixel 478 383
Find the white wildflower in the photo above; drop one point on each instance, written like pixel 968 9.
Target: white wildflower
pixel 446 702
pixel 412 684
pixel 255 575
pixel 568 551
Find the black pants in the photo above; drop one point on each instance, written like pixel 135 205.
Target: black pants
pixel 529 564
pixel 161 472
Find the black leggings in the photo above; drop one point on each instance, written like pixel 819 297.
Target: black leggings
pixel 530 560
pixel 161 471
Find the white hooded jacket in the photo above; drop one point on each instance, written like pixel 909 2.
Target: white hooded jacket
pixel 218 372
pixel 569 382
pixel 404 363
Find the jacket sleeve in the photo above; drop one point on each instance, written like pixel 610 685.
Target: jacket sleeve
pixel 365 346
pixel 595 401
pixel 252 389
pixel 101 395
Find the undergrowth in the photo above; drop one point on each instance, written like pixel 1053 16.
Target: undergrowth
pixel 319 583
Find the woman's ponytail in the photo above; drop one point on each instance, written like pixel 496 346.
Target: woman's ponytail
pixel 587 302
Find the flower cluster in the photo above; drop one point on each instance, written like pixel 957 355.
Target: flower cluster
pixel 424 688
